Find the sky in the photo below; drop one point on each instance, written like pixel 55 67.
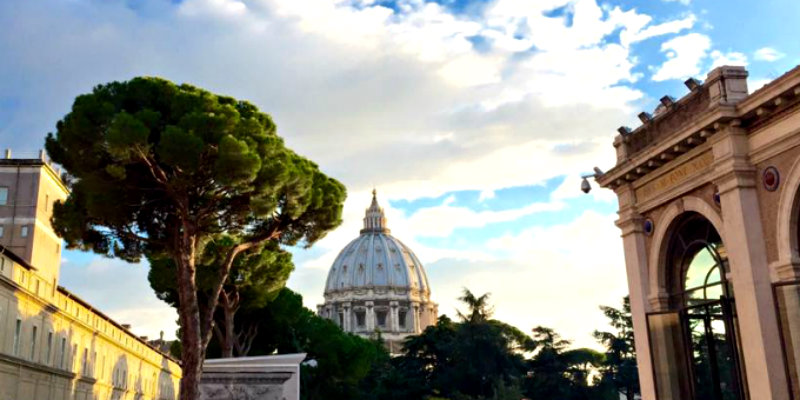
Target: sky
pixel 473 119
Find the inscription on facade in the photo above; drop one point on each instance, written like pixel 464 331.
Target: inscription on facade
pixel 675 177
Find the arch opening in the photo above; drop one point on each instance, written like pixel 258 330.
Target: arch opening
pixel 694 344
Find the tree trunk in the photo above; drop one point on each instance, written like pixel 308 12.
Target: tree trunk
pixel 189 315
pixel 228 335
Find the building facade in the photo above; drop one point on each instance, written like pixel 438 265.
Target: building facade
pixel 377 284
pixel 709 200
pixel 53 345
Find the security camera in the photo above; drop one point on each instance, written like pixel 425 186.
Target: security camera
pixel 585 186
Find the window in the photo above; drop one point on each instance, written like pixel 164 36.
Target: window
pixel 23 231
pixel 34 333
pixel 46 202
pixel 85 361
pixel 361 318
pixel 17 333
pixel 381 318
pixel 1 231
pixel 72 355
pixel 63 353
pixel 49 349
pixel 3 196
pixel 2 263
pixel 401 316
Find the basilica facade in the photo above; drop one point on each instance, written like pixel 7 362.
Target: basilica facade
pixel 378 285
pixel 709 209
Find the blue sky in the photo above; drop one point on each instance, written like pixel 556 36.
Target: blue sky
pixel 473 118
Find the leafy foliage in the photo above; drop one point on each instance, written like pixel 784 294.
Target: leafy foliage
pixel 343 361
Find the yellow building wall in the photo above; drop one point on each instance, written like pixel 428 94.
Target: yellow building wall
pixel 54 346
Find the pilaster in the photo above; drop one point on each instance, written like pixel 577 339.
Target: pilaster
pixel 750 275
pixel 394 320
pixel 633 241
pixel 347 318
pixel 370 316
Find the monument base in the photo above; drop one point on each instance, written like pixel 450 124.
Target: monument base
pixel 252 378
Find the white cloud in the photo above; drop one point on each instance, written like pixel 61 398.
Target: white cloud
pixel 651 31
pixel 573 266
pixel 398 99
pixel 486 195
pixel 768 54
pixel 225 8
pixel 757 83
pixel 684 56
pixel 719 59
pixel 684 2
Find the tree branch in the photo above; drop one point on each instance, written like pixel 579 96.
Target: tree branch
pixel 272 233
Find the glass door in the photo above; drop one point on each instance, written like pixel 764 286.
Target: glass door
pixel 713 351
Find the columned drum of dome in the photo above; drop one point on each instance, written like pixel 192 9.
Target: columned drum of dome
pixel 377 284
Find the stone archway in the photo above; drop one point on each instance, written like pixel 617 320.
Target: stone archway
pixel 666 224
pixel 787 267
pixel 694 334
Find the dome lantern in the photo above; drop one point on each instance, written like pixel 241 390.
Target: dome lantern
pixel 374 218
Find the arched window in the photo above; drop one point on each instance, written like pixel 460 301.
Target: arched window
pixel 699 263
pixel 700 330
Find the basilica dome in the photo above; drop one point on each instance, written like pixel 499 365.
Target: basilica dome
pixel 376 259
pixel 377 283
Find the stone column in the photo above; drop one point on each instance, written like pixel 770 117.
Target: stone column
pixel 370 316
pixel 750 275
pixel 394 320
pixel 636 267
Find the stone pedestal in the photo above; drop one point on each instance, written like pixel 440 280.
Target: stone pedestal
pixel 252 378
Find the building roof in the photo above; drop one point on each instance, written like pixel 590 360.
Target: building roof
pixel 376 259
pixel 17 259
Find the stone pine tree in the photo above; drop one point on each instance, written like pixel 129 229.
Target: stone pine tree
pixel 255 278
pixel 159 168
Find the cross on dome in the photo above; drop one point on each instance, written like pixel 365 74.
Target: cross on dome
pixel 374 218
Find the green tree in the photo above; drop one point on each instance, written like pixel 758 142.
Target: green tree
pixel 619 370
pixel 255 278
pixel 473 358
pixel 161 169
pixel 478 309
pixel 344 367
pixel 558 372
